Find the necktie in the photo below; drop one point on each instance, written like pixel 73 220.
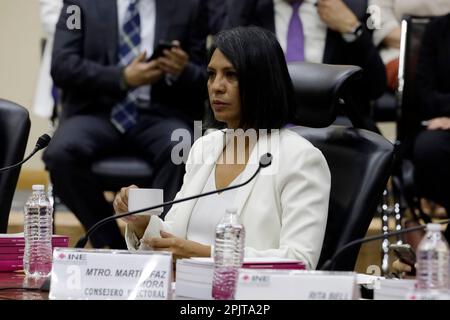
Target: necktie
pixel 124 114
pixel 295 38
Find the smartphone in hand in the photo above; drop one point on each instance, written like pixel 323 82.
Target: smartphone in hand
pixel 404 253
pixel 159 50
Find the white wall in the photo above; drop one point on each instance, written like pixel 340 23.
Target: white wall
pixel 20 34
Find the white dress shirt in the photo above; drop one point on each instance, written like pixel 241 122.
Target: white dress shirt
pixel 314 29
pixel 147 12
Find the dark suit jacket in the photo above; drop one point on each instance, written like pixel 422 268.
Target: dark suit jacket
pixel 216 15
pixel 362 52
pixel 85 62
pixel 433 69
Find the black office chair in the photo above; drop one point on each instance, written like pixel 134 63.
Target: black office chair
pixel 321 91
pixel 384 109
pixel 14 130
pixel 359 160
pixel 115 172
pixel 409 114
pixel 404 192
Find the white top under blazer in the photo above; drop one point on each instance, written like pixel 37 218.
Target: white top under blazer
pixel 284 209
pixel 209 211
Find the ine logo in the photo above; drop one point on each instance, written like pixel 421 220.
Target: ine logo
pixel 255 280
pixel 72 256
pixel 74 18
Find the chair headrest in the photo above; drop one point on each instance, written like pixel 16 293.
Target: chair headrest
pixel 318 89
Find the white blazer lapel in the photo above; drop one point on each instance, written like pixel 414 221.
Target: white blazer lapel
pixel 203 162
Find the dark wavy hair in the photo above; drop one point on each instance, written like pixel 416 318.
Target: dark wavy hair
pixel 266 90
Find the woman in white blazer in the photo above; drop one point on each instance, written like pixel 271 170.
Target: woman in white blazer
pixel 284 209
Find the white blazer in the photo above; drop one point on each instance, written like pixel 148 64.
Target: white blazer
pixel 284 209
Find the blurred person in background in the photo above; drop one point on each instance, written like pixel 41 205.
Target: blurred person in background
pixel 115 98
pixel 45 97
pixel 432 146
pixel 319 31
pixel 387 37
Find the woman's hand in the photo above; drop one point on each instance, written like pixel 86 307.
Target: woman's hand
pixel 137 224
pixel 180 248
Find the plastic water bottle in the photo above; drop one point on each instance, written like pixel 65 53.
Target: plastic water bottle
pixel 432 272
pixel 38 230
pixel 228 255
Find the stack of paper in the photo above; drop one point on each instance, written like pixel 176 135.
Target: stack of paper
pixel 394 289
pixel 194 276
pixel 12 247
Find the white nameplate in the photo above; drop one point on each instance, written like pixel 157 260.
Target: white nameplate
pixel 296 285
pixel 110 275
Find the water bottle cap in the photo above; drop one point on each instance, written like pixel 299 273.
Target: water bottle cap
pixel 38 187
pixel 231 210
pixel 433 227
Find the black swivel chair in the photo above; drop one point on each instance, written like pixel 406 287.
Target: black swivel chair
pixel 385 107
pixel 402 193
pixel 115 172
pixel 408 119
pixel 14 130
pixel 359 160
pixel 409 114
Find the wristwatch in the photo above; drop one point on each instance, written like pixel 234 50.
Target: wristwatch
pixel 354 34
